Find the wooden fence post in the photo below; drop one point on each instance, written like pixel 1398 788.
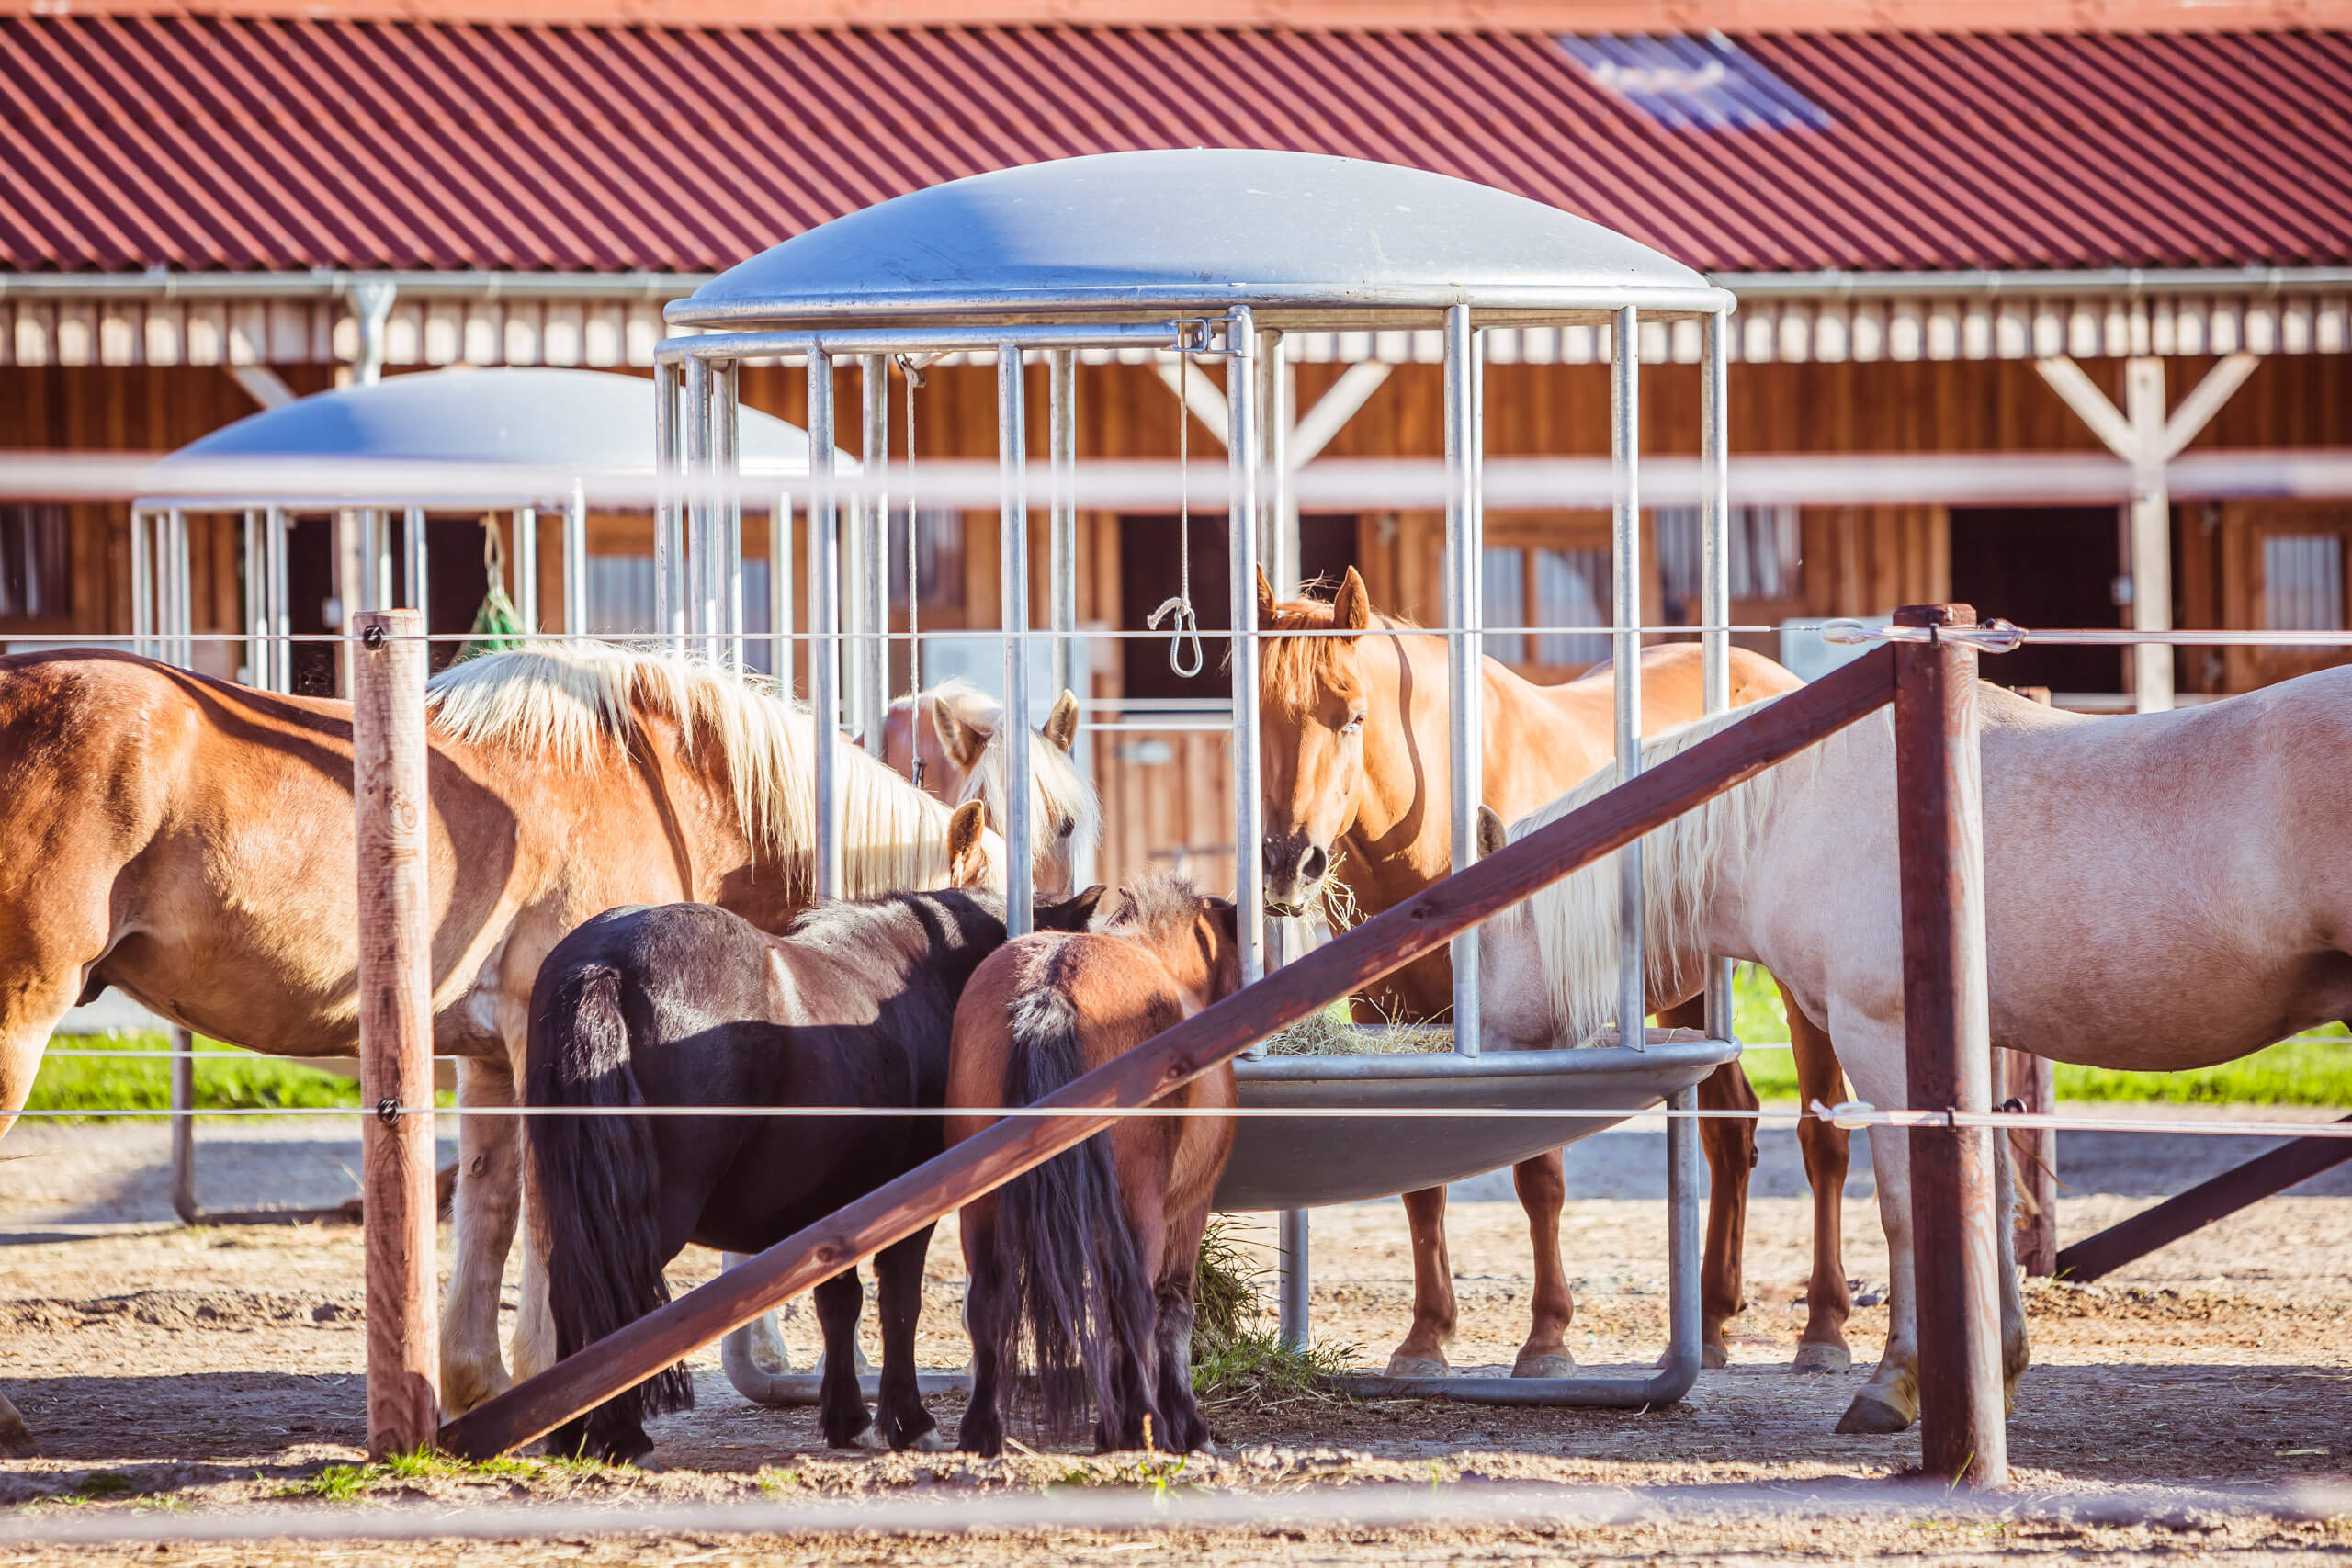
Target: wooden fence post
pixel 1940 828
pixel 388 754
pixel 2031 1081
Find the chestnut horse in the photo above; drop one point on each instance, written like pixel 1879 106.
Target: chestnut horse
pixel 190 843
pixel 1095 1252
pixel 2162 891
pixel 950 741
pixel 1353 742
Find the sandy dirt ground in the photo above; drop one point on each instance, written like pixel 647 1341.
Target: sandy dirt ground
pixel 2200 1401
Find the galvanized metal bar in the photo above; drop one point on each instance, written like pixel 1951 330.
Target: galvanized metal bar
pixel 780 625
pixel 1012 569
pixel 1295 1264
pixel 702 609
pixel 668 602
pixel 841 342
pixel 281 621
pixel 726 420
pixel 380 558
pixel 1465 693
pixel 414 551
pixel 1281 501
pixel 873 584
pixel 576 561
pixel 1625 614
pixel 184 1201
pixel 1715 580
pixel 1957 1257
pixel 181 602
pixel 256 672
pixel 527 566
pixel 1244 460
pixel 1061 460
pixel 824 608
pixel 142 585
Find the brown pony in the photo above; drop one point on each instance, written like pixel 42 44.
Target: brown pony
pixel 950 741
pixel 190 842
pixel 1093 1253
pixel 1353 742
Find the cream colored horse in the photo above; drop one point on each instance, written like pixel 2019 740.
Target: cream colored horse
pixel 2162 891
pixel 190 843
pixel 1353 746
pixel 950 741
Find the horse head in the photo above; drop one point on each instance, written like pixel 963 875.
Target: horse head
pixel 1312 700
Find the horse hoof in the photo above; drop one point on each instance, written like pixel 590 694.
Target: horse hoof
pixel 930 1442
pixel 1871 1415
pixel 871 1440
pixel 1551 1364
pixel 1823 1358
pixel 1714 1356
pixel 1403 1366
pixel 15 1441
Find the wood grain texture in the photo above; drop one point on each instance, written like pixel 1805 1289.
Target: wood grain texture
pixel 1214 1036
pixel 395 1030
pixel 2262 1176
pixel 1939 827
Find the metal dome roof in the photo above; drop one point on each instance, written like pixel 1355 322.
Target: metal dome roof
pixel 593 421
pixel 1307 240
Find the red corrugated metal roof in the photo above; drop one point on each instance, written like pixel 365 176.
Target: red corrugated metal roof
pixel 268 144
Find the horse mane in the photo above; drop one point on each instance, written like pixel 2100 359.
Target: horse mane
pixel 959 696
pixel 1157 908
pixel 1293 670
pixel 1577 917
pixel 1055 784
pixel 579 705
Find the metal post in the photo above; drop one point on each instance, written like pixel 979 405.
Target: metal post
pixel 1955 1245
pixel 2150 517
pixel 701 611
pixel 395 1029
pixel 726 418
pixel 183 592
pixel 1294 1266
pixel 1626 608
pixel 1465 675
pixel 780 591
pixel 1714 580
pixel 183 1203
pixel 380 558
pixel 824 609
pixel 873 583
pixel 143 587
pixel 668 602
pixel 1281 501
pixel 281 619
pixel 413 553
pixel 1012 553
pixel 1061 456
pixel 527 566
pixel 576 561
pixel 1242 458
pixel 256 656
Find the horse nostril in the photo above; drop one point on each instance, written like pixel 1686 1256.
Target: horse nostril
pixel 1312 865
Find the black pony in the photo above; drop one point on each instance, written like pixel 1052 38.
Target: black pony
pixel 690 1005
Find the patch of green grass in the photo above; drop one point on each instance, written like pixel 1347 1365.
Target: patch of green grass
pixel 105 1483
pixel 130 1082
pixel 2314 1069
pixel 1237 1357
pixel 345 1483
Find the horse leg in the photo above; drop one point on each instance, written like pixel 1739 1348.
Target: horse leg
pixel 1889 1402
pixel 1128 1416
pixel 898 1293
pixel 1822 1347
pixel 40 994
pixel 1173 1336
pixel 841 1404
pixel 489 1196
pixel 1542 1187
pixel 1422 1355
pixel 985 1316
pixel 2016 1353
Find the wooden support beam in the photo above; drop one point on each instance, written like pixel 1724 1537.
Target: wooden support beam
pixel 1217 1034
pixel 396 1154
pixel 1955 1261
pixel 2030 1080
pixel 2265 1176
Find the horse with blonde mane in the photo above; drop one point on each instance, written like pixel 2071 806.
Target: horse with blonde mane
pixel 2162 891
pixel 950 740
pixel 1353 741
pixel 190 843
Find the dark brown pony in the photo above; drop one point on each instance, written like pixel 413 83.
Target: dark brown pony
pixel 1353 743
pixel 1090 1257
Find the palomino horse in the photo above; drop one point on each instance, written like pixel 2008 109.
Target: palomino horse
pixel 950 741
pixel 1353 741
pixel 193 845
pixel 1095 1252
pixel 2162 891
pixel 690 1005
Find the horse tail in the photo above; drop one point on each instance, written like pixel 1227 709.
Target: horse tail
pixel 1079 1289
pixel 593 1182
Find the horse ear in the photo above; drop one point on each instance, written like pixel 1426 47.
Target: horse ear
pixel 968 857
pixel 1492 834
pixel 1077 912
pixel 961 739
pixel 1352 606
pixel 1267 606
pixel 1227 917
pixel 1062 724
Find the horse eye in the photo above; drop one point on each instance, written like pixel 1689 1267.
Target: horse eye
pixel 1355 725
pixel 1067 828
